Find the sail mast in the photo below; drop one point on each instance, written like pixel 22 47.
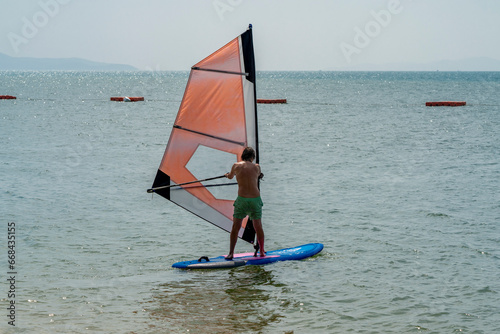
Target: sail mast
pixel 249 57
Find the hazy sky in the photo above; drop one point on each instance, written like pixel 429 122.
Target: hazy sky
pixel 288 34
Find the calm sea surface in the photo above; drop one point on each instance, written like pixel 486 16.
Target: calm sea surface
pixel 404 197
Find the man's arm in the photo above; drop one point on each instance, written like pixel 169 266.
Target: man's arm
pixel 261 175
pixel 232 173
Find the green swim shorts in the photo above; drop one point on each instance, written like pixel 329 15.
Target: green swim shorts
pixel 251 207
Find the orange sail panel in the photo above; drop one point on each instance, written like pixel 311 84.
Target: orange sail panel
pixel 216 120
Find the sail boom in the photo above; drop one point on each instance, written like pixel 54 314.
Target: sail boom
pixel 206 186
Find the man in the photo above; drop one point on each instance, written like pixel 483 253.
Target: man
pixel 248 202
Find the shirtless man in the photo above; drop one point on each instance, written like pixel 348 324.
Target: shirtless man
pixel 248 201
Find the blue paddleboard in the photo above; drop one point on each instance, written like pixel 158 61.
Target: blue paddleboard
pixel 245 259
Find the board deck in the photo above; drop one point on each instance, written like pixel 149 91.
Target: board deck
pixel 242 259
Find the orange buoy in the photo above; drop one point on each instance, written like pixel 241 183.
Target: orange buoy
pixel 445 104
pixel 127 99
pixel 7 97
pixel 271 101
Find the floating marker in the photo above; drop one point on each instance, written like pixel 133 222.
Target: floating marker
pixel 127 99
pixel 277 101
pixel 445 104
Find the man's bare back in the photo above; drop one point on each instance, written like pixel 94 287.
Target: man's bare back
pixel 247 175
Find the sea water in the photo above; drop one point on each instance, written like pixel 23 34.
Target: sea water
pixel 404 197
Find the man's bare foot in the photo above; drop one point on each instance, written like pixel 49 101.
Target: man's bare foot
pixel 262 254
pixel 229 257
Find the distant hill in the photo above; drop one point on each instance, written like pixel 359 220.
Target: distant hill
pixel 57 64
pixel 470 64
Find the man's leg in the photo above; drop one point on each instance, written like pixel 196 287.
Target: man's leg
pixel 233 238
pixel 257 225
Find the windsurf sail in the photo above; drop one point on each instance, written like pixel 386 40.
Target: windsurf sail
pixel 216 120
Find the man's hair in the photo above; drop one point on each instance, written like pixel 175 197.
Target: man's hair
pixel 248 154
